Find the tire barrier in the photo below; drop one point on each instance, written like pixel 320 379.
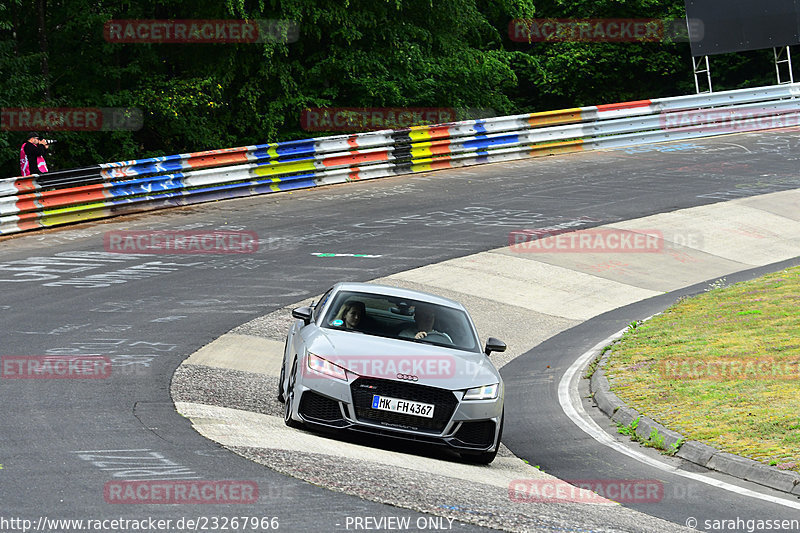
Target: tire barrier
pixel 123 187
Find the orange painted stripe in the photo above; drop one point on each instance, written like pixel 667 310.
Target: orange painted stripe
pixel 75 197
pixel 356 158
pixel 624 105
pixel 26 204
pixel 218 152
pixel 353 141
pixel 217 160
pixel 60 197
pixel 29 221
pixel 440 132
pixel 25 226
pixel 438 165
pixel 440 147
pixel 25 184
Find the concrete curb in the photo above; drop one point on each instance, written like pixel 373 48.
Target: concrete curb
pixel 689 450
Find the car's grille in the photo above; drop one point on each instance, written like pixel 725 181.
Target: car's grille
pixel 479 434
pixel 444 402
pixel 316 407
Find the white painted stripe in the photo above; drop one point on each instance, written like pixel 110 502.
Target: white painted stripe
pixel 570 402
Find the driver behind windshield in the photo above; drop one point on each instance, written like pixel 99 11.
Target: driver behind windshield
pixel 424 320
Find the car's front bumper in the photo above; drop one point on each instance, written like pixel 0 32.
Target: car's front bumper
pixel 467 425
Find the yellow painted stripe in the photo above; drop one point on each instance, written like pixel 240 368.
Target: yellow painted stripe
pixel 73 209
pixel 423 160
pixel 561 116
pixel 421 134
pixel 557 148
pixel 285 168
pixel 69 218
pixel 272 151
pixel 421 150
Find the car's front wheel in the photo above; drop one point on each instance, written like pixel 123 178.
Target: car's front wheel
pixel 287 411
pixel 281 398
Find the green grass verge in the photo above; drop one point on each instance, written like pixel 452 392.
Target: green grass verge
pixel 722 368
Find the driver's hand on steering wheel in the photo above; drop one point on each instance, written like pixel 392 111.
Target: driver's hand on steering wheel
pixel 421 335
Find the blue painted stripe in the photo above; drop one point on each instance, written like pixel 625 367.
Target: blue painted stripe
pixel 486 142
pixel 147 185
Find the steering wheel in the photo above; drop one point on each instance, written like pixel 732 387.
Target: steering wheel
pixel 435 336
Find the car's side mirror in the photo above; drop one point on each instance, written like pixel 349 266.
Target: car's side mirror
pixel 494 345
pixel 303 313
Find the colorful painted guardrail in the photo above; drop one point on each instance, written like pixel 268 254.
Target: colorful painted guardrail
pixel 111 189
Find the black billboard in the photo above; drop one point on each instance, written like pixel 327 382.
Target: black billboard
pixel 723 26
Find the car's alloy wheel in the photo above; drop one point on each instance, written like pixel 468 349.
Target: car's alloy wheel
pixel 287 412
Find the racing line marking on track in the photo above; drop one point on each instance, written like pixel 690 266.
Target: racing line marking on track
pixel 570 402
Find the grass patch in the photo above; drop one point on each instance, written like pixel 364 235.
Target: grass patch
pixel 722 368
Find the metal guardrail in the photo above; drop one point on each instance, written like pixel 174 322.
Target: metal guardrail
pixel 111 189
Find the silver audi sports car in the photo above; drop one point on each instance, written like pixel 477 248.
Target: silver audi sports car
pixel 393 362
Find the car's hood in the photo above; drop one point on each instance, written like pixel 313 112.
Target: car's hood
pixel 381 357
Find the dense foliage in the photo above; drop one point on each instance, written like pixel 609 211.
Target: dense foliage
pixel 386 53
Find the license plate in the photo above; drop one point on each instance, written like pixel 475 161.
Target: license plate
pixel 396 405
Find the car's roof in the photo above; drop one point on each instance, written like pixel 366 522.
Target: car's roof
pixel 410 294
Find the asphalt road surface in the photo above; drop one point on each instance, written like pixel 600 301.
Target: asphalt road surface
pixel 64 441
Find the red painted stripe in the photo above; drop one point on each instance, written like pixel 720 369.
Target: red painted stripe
pixel 624 105
pixel 353 141
pixel 356 158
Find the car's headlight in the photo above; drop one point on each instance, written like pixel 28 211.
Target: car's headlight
pixel 323 366
pixel 487 392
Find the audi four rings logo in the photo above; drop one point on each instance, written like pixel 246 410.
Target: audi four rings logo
pixel 407 377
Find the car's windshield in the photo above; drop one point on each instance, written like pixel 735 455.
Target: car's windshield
pixel 399 318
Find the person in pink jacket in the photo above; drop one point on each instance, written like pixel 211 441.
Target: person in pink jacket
pixel 33 150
